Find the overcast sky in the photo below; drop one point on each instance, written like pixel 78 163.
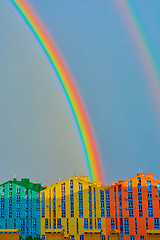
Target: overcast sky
pixel 38 137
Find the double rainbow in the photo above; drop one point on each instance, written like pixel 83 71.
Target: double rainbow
pixel 66 82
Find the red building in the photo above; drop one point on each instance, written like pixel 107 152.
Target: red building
pixel 132 206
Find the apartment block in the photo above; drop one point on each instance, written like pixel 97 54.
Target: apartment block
pixel 20 206
pixel 75 207
pixel 133 207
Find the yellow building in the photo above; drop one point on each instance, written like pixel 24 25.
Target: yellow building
pixel 153 234
pixel 76 206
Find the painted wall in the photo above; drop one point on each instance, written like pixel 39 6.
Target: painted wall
pixel 140 206
pixel 93 210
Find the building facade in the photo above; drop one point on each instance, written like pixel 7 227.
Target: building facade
pixel 20 206
pixel 74 206
pixel 133 207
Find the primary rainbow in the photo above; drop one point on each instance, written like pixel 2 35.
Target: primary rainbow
pixel 66 82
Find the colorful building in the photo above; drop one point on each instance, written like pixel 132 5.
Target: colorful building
pixel 74 206
pixel 133 207
pixel 20 206
pixel 9 234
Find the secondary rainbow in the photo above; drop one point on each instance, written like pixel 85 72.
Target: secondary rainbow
pixel 144 50
pixel 66 82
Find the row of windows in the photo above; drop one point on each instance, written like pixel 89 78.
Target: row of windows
pixel 87 224
pixel 126 225
pixel 80 199
pixel 130 199
pixel 24 225
pixel 71 199
pixel 90 202
pixel 80 202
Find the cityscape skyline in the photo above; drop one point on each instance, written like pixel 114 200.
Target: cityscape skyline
pixel 77 207
pixel 102 57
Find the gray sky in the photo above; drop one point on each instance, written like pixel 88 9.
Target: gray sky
pixel 38 136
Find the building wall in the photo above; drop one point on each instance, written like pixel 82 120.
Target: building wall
pixel 59 210
pixel 140 206
pixel 20 208
pixel 9 236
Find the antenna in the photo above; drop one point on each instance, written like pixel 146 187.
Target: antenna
pixel 140 170
pixel 14 176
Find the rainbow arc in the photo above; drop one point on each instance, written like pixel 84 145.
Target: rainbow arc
pixel 67 84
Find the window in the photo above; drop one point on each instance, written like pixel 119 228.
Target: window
pixel 18 215
pixel 43 237
pixel 43 204
pixel 71 199
pixel 14 224
pixel 10 187
pixel 130 212
pixel 141 237
pixel 132 238
pixel 35 225
pixel 121 226
pixel 58 223
pixel 107 204
pixel 94 203
pixel 156 223
pixel 72 237
pixel 99 223
pixel 2 209
pixel 22 226
pixel 126 226
pixel 120 200
pixel 146 223
pixel 54 223
pixel 135 223
pixel 150 213
pixel 80 198
pixel 90 202
pixel 85 223
pixel 81 237
pixel 130 199
pixel 46 223
pixel 149 198
pixel 129 184
pixel 95 224
pixel 63 201
pixel 67 226
pixel 139 197
pixel 10 200
pixel 2 190
pixel 102 203
pixel 77 225
pixel 90 223
pixel 38 205
pixel 112 224
pixel 54 202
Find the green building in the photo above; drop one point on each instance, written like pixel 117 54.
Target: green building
pixel 20 206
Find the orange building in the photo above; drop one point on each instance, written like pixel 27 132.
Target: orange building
pixel 133 207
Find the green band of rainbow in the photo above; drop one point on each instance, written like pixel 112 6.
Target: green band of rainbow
pixel 144 50
pixel 64 78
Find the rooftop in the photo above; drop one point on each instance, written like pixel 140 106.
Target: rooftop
pixel 25 182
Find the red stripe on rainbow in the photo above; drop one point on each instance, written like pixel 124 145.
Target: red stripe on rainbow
pixel 84 128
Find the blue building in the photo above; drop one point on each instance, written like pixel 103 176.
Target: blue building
pixel 20 206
